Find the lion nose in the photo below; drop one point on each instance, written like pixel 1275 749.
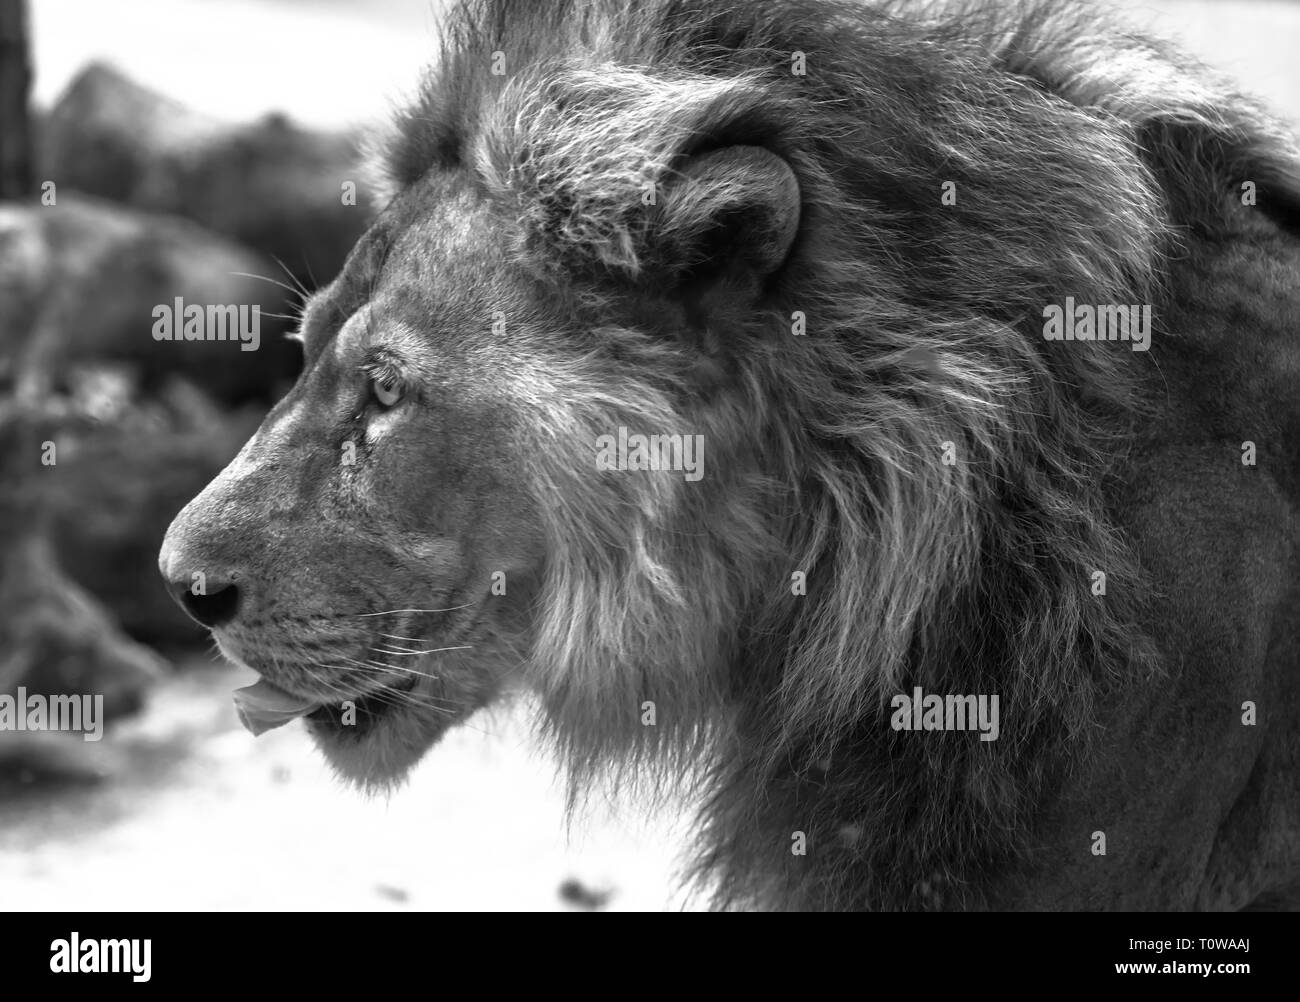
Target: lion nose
pixel 214 604
pixel 212 556
pixel 209 597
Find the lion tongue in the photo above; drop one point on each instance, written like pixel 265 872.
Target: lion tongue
pixel 262 707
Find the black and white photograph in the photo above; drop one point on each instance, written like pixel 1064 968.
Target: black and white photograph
pixel 650 456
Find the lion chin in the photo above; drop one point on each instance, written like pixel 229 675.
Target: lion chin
pixel 373 737
pixel 377 751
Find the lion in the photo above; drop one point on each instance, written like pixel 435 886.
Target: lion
pixel 977 324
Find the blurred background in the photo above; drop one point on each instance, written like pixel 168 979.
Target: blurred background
pixel 151 149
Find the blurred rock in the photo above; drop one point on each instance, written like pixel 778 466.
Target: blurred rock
pixel 104 130
pixel 35 763
pixel 80 280
pixel 54 637
pixel 139 425
pixel 271 185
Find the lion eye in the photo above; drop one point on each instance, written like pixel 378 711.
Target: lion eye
pixel 387 393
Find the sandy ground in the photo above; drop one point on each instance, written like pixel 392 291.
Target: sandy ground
pixel 181 809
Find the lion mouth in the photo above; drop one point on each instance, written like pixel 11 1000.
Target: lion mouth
pixel 360 714
pixel 265 706
pixel 371 732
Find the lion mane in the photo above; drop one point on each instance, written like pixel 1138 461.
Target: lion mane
pixel 923 337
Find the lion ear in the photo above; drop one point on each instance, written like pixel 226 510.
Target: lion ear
pixel 728 213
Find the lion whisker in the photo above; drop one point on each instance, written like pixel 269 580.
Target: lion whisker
pixel 390 650
pixel 432 650
pixel 324 681
pixel 303 292
pixel 394 612
pixel 370 666
pixel 390 697
pixel 264 278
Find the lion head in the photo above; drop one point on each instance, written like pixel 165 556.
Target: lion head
pixel 694 380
